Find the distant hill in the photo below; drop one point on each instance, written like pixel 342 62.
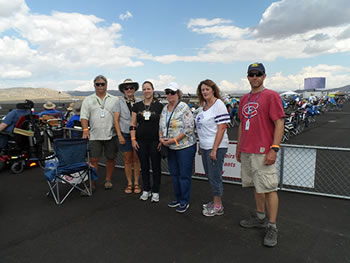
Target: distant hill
pixel 112 92
pixel 35 94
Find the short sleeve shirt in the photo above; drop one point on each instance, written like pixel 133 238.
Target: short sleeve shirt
pixel 147 130
pixel 125 115
pixel 207 125
pixel 264 110
pixel 180 122
pixel 12 118
pixel 100 114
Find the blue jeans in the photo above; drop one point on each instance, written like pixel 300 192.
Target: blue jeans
pixel 213 169
pixel 180 164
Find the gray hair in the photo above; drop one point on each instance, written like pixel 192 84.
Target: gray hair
pixel 100 77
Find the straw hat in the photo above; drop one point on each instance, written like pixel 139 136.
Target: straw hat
pixel 128 82
pixel 49 105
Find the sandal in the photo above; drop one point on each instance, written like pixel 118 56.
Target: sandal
pixel 128 189
pixel 137 189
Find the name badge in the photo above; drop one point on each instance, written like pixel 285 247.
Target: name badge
pixel 102 113
pixel 146 115
pixel 247 124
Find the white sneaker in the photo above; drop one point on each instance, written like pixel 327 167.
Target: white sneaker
pixel 145 195
pixel 155 197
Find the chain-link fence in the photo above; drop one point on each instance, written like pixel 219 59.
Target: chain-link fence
pixel 306 169
pixel 315 170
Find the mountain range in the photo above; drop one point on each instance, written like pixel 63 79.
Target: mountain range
pixel 44 94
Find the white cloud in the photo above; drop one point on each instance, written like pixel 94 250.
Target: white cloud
pixel 202 22
pixel 125 16
pixel 288 17
pixel 162 81
pixel 60 43
pixel 288 29
pixel 13 7
pixel 336 76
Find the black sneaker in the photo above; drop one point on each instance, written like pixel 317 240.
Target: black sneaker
pixel 271 235
pixel 173 204
pixel 182 208
pixel 254 221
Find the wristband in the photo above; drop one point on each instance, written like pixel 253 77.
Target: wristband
pixel 275 146
pixel 85 129
pixel 176 142
pixel 133 138
pixel 132 128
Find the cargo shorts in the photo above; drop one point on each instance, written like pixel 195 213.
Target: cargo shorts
pixel 107 148
pixel 255 173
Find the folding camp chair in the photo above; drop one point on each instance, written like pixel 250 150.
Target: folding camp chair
pixel 68 169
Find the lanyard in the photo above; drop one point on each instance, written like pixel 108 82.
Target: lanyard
pixel 168 121
pixel 102 106
pixel 250 93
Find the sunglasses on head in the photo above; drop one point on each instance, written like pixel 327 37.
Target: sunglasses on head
pixel 257 74
pixel 100 84
pixel 130 87
pixel 171 92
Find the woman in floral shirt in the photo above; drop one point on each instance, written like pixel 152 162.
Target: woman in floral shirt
pixel 176 131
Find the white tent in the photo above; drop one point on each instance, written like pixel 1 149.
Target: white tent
pixel 288 93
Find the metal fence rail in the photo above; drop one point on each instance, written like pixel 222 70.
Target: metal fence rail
pixel 306 169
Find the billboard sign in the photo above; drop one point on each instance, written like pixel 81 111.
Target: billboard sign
pixel 314 83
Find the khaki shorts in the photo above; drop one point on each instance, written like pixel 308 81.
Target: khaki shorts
pixel 255 173
pixel 108 148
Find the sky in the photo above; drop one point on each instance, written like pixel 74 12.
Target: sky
pixel 64 44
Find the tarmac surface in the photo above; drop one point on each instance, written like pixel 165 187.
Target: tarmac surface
pixel 111 226
pixel 114 227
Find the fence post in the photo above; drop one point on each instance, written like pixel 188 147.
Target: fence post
pixel 281 168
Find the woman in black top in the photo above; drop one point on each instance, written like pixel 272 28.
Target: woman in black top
pixel 144 131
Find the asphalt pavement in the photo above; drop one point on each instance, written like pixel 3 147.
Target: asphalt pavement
pixel 111 226
pixel 114 227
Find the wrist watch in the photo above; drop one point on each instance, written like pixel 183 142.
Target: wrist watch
pixel 276 149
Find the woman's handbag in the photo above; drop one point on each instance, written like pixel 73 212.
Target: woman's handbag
pixel 164 151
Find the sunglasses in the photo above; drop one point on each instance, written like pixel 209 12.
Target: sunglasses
pixel 258 74
pixel 171 92
pixel 100 84
pixel 127 88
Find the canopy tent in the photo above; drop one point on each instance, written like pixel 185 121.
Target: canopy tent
pixel 288 93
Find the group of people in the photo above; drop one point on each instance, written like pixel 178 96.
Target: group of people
pixel 143 129
pixel 50 112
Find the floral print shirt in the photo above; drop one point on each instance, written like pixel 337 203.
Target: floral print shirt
pixel 181 122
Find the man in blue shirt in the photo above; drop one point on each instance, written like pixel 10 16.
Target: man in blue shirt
pixel 9 123
pixel 50 109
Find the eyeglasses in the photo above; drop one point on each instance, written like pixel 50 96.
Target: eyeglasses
pixel 171 92
pixel 100 84
pixel 127 88
pixel 258 74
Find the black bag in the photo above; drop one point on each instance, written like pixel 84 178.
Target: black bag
pixel 164 151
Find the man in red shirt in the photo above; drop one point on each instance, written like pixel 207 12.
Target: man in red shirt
pixel 259 136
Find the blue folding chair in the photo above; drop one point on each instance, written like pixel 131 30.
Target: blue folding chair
pixel 69 168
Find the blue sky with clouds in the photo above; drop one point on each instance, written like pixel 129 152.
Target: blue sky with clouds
pixel 64 44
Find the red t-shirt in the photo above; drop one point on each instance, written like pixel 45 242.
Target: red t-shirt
pixel 266 109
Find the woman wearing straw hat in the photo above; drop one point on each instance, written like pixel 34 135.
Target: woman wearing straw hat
pixel 122 118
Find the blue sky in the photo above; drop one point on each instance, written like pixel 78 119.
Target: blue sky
pixel 64 44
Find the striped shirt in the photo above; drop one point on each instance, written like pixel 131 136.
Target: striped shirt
pixel 207 125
